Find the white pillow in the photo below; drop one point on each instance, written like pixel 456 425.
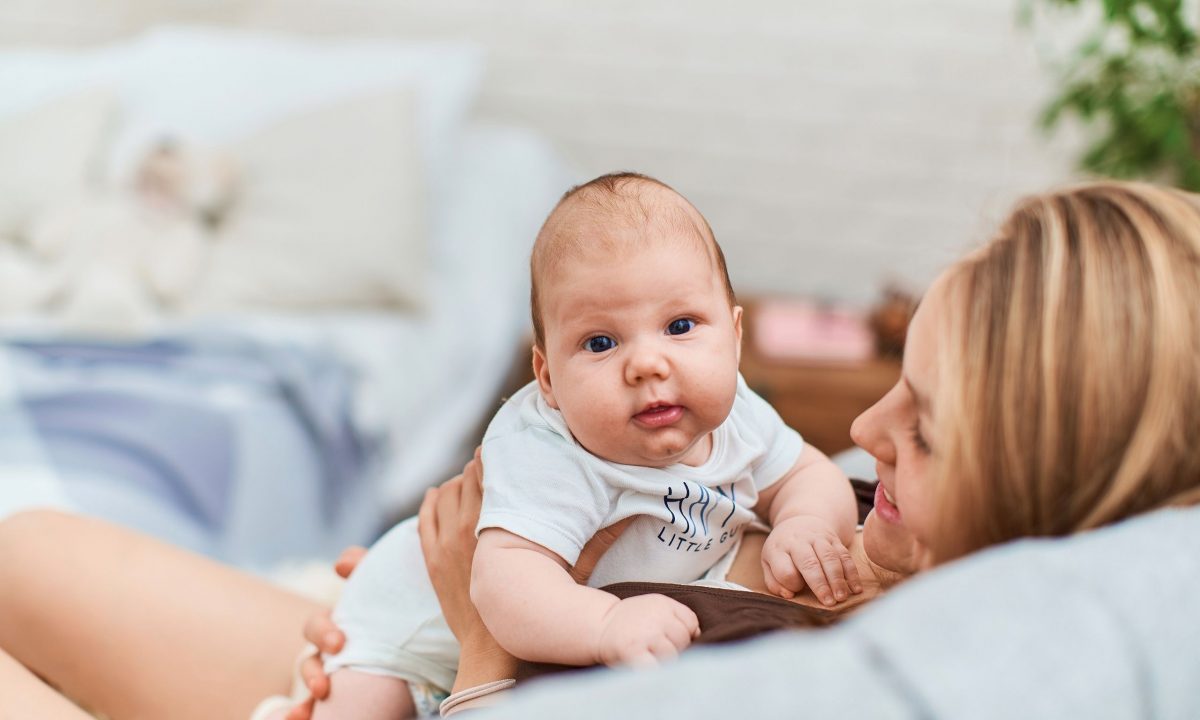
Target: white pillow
pixel 215 86
pixel 330 212
pixel 33 77
pixel 47 155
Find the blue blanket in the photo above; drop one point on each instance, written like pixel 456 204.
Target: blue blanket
pixel 247 452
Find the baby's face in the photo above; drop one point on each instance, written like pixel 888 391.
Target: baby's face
pixel 641 352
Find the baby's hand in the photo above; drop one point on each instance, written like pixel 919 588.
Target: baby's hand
pixel 644 629
pixel 805 550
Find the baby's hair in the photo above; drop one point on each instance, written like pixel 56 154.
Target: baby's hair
pixel 614 197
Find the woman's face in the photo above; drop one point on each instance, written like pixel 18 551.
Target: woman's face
pixel 900 432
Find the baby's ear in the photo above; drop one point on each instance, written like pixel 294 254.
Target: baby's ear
pixel 737 329
pixel 541 373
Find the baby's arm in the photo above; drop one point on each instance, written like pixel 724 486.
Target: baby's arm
pixel 813 514
pixel 535 610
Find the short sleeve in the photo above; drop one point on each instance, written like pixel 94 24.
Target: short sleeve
pixel 541 487
pixel 782 445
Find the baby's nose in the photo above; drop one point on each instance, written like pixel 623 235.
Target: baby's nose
pixel 646 363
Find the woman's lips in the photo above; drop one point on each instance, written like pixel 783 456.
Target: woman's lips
pixel 884 508
pixel 660 416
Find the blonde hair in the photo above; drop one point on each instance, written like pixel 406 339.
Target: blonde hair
pixel 1069 368
pixel 603 201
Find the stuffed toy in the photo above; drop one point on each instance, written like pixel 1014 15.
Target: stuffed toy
pixel 117 262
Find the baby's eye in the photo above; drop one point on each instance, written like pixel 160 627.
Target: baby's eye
pixel 600 343
pixel 680 326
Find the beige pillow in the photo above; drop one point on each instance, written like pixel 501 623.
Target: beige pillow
pixel 330 212
pixel 47 155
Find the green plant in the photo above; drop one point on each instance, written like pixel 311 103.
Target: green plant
pixel 1134 82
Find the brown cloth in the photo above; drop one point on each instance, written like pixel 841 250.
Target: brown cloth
pixel 725 615
pixel 728 615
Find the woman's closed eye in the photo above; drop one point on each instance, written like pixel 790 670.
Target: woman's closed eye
pixel 680 326
pixel 919 440
pixel 600 343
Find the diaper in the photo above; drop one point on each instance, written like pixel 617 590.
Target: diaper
pixel 390 615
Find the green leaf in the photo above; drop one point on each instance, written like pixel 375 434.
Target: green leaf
pixel 1142 115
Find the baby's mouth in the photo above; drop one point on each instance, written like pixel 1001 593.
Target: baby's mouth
pixel 659 415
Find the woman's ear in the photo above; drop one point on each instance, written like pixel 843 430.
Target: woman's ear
pixel 541 373
pixel 737 330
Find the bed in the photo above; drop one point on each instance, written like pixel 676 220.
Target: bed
pixel 259 433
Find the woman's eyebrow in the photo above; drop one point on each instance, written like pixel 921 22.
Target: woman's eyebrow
pixel 923 406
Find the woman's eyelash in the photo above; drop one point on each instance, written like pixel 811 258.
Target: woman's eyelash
pixel 919 439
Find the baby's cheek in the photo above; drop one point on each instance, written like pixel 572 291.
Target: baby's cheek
pixel 717 403
pixel 602 421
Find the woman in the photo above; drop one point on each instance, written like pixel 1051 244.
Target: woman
pixel 1051 385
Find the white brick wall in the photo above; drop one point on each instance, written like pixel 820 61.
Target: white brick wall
pixel 831 144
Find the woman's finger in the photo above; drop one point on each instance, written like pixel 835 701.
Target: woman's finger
pixel 321 632
pixel 312 670
pixel 427 525
pixel 476 460
pixel 449 501
pixel 303 711
pixel 348 560
pixel 472 492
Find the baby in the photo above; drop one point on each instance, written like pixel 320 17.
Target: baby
pixel 637 410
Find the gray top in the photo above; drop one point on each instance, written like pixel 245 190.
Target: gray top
pixel 1101 625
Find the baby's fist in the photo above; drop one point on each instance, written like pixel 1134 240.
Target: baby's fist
pixel 645 629
pixel 806 550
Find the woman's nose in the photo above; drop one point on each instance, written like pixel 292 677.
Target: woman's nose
pixel 646 361
pixel 870 432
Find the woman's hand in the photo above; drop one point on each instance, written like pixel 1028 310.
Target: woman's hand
pixel 325 636
pixel 446 524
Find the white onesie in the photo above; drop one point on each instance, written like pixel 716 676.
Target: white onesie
pixel 544 486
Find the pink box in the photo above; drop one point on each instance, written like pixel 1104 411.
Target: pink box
pixel 803 330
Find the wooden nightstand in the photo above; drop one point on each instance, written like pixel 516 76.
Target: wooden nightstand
pixel 819 400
